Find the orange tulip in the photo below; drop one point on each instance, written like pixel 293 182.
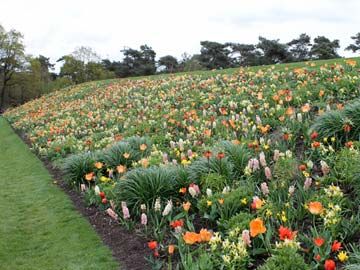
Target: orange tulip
pixel 191 238
pixel 257 227
pixel 315 208
pixel 98 165
pixel 89 176
pixel 143 147
pixel 186 206
pixel 171 249
pixel 205 235
pixel 121 169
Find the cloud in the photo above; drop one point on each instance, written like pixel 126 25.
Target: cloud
pixel 56 28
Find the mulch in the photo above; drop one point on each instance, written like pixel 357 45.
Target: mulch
pixel 127 248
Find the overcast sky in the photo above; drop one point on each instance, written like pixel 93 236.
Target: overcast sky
pixel 56 28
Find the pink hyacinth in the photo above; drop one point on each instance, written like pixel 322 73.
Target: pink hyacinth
pixel 324 167
pixel 246 237
pixel 268 173
pixel 143 219
pixel 264 188
pixel 276 155
pixel 262 159
pixel 112 213
pixel 125 210
pixel 308 182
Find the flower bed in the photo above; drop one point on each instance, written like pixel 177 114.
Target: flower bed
pixel 231 171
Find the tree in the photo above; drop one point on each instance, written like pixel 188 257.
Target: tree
pixel 45 68
pixel 273 51
pixel 356 46
pixel 169 62
pixel 299 48
pixel 86 55
pixel 214 55
pixel 137 62
pixel 12 57
pixel 323 48
pixel 190 62
pixel 245 54
pixel 73 69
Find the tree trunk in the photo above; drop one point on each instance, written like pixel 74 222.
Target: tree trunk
pixel 2 96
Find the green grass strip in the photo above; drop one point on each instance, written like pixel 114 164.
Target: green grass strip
pixel 39 226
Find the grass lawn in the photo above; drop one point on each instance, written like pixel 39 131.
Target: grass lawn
pixel 39 227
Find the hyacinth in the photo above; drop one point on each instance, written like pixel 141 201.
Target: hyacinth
pixel 291 190
pixel 264 188
pixel 167 208
pixel 208 192
pixel 262 159
pixel 97 190
pixel 268 174
pixel 324 167
pixel 276 155
pixel 125 210
pixel 144 219
pixel 245 235
pixel 307 183
pixel 157 205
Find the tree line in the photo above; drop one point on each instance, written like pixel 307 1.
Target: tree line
pixel 24 77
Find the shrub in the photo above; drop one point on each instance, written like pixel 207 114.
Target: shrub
pixel 76 166
pixel 240 221
pixel 285 259
pixel 203 166
pixel 330 124
pixel 143 186
pixel 214 181
pixel 285 171
pixel 114 155
pixel 238 155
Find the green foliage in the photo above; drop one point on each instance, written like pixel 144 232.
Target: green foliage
pixel 203 166
pixel 76 166
pixel 356 46
pixel 273 51
pixel 285 259
pixel 324 48
pixel 114 155
pixel 285 171
pixel 214 181
pixel 238 155
pixel 143 186
pixel 12 57
pixel 240 221
pixel 330 124
pixel 225 205
pixel 214 55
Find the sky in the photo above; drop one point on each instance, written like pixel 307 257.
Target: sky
pixel 56 28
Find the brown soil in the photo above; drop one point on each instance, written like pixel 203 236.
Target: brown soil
pixel 127 248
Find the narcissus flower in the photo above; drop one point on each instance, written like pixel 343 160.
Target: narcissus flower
pixel 257 227
pixel 315 208
pixel 342 256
